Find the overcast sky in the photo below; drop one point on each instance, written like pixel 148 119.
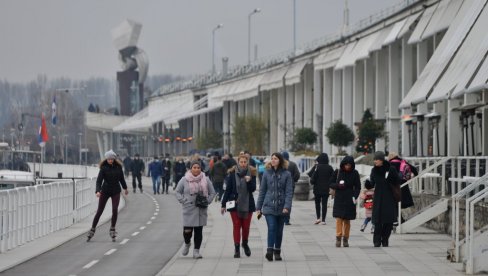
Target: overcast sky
pixel 72 38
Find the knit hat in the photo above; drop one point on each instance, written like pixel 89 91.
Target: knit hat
pixel 286 155
pixel 110 154
pixel 379 155
pixel 195 162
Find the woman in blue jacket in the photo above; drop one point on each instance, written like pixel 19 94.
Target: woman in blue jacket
pixel 274 202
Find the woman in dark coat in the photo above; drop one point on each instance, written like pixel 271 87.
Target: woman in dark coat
pixel 347 185
pixel 109 180
pixel 321 183
pixel 240 184
pixel 385 210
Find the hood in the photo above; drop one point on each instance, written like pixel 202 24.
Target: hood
pixel 348 160
pixel 286 155
pixel 105 163
pixel 323 158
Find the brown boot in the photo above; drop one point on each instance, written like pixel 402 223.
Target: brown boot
pixel 338 241
pixel 345 242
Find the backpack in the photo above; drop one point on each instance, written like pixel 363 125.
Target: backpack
pixel 405 172
pixel 368 202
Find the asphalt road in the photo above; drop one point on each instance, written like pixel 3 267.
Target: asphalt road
pixel 149 234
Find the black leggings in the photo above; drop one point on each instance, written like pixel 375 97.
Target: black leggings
pixel 102 201
pixel 187 232
pixel 321 199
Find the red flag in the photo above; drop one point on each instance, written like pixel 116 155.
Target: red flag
pixel 43 137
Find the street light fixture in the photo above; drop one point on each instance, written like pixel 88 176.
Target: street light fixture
pixel 256 10
pixel 213 45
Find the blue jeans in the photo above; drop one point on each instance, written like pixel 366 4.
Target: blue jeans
pixel 275 230
pixel 155 181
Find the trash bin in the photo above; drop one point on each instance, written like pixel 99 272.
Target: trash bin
pixel 302 188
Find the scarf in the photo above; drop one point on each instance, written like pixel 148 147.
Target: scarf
pixel 197 183
pixel 242 192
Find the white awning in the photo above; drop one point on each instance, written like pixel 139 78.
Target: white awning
pixel 138 121
pixel 408 23
pixel 273 79
pixel 423 22
pixel 480 80
pixel 378 42
pixel 465 63
pixel 347 56
pixel 443 54
pixel 235 91
pixel 392 36
pixel 442 17
pixel 175 118
pixel 293 75
pixel 102 121
pixel 328 59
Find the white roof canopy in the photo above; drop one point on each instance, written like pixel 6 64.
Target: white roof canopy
pixel 293 75
pixel 273 79
pixel 442 17
pixel 480 80
pixel 423 22
pixel 138 121
pixel 328 59
pixel 408 23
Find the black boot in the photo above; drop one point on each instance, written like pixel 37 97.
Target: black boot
pixel 269 254
pixel 246 248
pixel 237 251
pixel 277 254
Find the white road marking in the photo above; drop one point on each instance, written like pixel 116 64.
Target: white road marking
pixel 149 222
pixel 135 234
pixel 157 210
pixel 124 241
pixel 155 214
pixel 110 252
pixel 142 227
pixel 153 217
pixel 90 264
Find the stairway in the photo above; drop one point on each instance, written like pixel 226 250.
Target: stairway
pixel 424 215
pixel 480 253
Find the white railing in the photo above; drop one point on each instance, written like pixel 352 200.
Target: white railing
pixel 28 213
pixel 470 205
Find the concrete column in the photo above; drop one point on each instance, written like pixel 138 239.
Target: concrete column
pixel 241 109
pixel 484 140
pixel 381 95
pixel 407 81
pixel 225 125
pixel 422 56
pixel 298 105
pixel 308 79
pixel 439 150
pixel 317 108
pixel 232 119
pixel 395 96
pixel 281 118
pixel 256 103
pixel 249 103
pixel 337 95
pixel 422 137
pixel 347 101
pixel 358 92
pixel 369 83
pixel 454 130
pixel 289 111
pixel 328 91
pixel 273 119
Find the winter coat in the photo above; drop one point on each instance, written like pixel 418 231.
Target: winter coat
pixel 344 206
pixel 231 188
pixel 137 167
pixel 295 173
pixel 179 169
pixel 155 169
pixel 193 216
pixel 385 208
pixel 362 196
pixel 407 199
pixel 110 177
pixel 218 172
pixel 166 169
pixel 321 176
pixel 275 191
pixel 127 163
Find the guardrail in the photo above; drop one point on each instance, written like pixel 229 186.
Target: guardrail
pixel 469 253
pixel 28 213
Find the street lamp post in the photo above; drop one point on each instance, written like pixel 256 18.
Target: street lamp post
pixel 66 149
pixel 257 10
pixel 54 147
pixel 294 27
pixel 80 134
pixel 213 45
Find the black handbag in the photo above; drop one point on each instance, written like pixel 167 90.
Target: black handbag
pixel 201 201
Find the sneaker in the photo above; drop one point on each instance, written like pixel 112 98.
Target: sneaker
pixel 90 235
pixel 141 190
pixel 186 249
pixel 196 254
pixel 323 223
pixel 134 191
pixel 317 221
pixel 113 234
pixel 287 223
pixel 363 227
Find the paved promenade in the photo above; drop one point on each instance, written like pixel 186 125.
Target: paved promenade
pixel 309 249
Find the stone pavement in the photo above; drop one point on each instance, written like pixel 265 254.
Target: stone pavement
pixel 309 249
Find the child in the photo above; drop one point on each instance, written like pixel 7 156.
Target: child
pixel 366 196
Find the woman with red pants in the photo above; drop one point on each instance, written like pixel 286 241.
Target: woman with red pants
pixel 240 184
pixel 109 180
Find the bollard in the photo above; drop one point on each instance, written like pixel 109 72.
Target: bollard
pixel 302 188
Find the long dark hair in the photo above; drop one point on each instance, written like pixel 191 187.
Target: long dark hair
pixel 281 165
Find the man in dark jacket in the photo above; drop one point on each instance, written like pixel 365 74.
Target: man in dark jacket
pixel 137 170
pixel 295 176
pixel 320 180
pixel 385 179
pixel 166 176
pixel 127 165
pixel 229 161
pixel 179 171
pixel 217 175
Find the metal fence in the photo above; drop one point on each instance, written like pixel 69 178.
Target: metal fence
pixel 28 213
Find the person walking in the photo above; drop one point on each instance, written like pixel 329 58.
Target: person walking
pixel 166 176
pixel 194 218
pixel 347 185
pixel 137 170
pixel 367 202
pixel 295 176
pixel 127 165
pixel 240 183
pixel 385 180
pixel 217 175
pixel 155 171
pixel 274 202
pixel 179 170
pixel 406 171
pixel 110 178
pixel 320 180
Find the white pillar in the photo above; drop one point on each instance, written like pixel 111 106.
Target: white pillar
pixel 273 121
pixel 256 104
pixel 347 101
pixel 232 118
pixel 381 95
pixel 298 105
pixel 454 130
pixel 241 109
pixel 439 150
pixel 328 91
pixel 317 116
pixel 422 142
pixel 249 103
pixel 289 111
pixel 369 84
pixel 358 92
pixel 281 118
pixel 337 95
pixel 308 80
pixel 265 110
pixel 395 96
pixel 408 79
pixel 225 125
